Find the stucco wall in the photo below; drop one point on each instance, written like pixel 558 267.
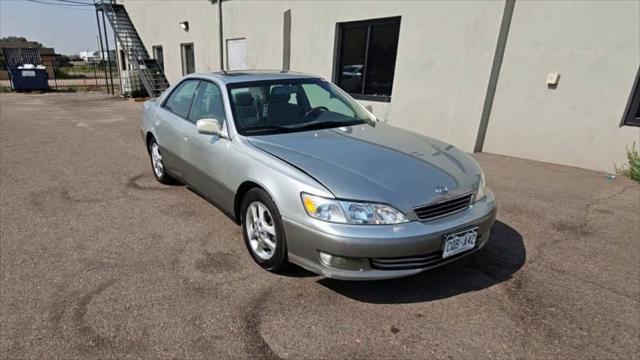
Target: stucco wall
pixel 443 64
pixel 445 54
pixel 595 46
pixel 158 23
pixel 444 57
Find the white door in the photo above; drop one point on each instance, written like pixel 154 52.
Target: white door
pixel 237 54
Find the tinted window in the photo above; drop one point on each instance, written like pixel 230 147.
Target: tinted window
pixel 381 60
pixel 179 101
pixel 354 42
pixel 158 54
pixel 367 57
pixel 207 104
pixel 632 114
pixel 188 59
pixel 123 60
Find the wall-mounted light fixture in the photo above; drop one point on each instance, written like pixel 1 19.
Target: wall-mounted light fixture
pixel 184 25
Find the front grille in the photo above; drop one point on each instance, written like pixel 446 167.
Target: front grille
pixel 432 211
pixel 409 262
pixel 416 262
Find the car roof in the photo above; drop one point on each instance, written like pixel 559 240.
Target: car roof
pixel 240 76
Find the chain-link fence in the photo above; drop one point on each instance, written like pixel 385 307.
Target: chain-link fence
pixel 76 76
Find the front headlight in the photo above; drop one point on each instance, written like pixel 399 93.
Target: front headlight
pixel 350 212
pixel 482 187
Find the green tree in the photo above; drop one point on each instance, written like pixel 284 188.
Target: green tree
pixel 63 60
pixel 19 39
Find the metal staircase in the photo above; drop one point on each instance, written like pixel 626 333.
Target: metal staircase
pixel 149 71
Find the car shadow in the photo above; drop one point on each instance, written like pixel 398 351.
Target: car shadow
pixel 296 271
pixel 503 255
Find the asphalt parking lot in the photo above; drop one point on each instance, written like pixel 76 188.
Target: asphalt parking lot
pixel 100 261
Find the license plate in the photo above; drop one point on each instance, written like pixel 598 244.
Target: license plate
pixel 459 242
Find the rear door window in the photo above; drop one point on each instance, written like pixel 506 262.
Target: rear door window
pixel 179 102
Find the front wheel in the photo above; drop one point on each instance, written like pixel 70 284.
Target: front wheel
pixel 159 170
pixel 262 231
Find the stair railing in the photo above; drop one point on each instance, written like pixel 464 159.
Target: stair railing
pixel 135 57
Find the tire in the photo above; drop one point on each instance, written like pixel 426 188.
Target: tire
pixel 157 166
pixel 263 232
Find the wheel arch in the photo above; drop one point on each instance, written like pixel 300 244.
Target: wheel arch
pixel 243 189
pixel 147 140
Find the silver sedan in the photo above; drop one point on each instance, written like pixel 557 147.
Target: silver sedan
pixel 314 178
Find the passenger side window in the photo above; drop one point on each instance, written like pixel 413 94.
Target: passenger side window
pixel 318 96
pixel 207 104
pixel 179 101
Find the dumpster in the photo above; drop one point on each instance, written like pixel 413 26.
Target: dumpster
pixel 29 77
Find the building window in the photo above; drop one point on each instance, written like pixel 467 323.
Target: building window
pixel 123 60
pixel 632 112
pixel 188 59
pixel 158 54
pixel 366 57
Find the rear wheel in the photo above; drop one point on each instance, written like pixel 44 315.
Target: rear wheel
pixel 159 170
pixel 262 231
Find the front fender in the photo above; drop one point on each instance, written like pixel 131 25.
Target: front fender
pixel 282 181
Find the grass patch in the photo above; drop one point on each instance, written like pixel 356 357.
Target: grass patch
pixel 632 169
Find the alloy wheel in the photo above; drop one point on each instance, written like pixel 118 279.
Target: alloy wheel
pixel 261 230
pixel 156 160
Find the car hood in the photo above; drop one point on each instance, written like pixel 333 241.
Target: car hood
pixel 376 163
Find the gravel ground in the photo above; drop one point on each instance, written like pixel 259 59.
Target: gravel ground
pixel 100 261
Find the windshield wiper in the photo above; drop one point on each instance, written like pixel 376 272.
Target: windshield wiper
pixel 327 124
pixel 307 126
pixel 260 128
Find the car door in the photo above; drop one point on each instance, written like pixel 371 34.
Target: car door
pixel 205 166
pixel 169 125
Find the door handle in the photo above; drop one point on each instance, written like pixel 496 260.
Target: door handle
pixel 186 138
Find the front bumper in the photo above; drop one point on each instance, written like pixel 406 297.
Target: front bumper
pixel 361 243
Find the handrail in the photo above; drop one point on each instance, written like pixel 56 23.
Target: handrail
pixel 139 59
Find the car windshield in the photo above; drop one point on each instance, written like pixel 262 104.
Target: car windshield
pixel 291 105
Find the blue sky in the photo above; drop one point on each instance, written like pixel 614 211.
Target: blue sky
pixel 67 28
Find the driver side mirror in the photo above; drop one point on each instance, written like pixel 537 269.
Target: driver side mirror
pixel 209 127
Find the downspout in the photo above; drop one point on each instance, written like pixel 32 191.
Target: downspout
pixel 495 73
pixel 220 37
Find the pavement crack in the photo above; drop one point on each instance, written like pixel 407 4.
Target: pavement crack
pixel 580 227
pixel 251 318
pixel 76 305
pixel 599 200
pixel 593 283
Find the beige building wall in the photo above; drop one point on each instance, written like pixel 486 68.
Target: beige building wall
pixel 595 46
pixel 442 69
pixel 158 23
pixel 444 60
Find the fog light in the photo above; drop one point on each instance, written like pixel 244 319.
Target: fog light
pixel 339 262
